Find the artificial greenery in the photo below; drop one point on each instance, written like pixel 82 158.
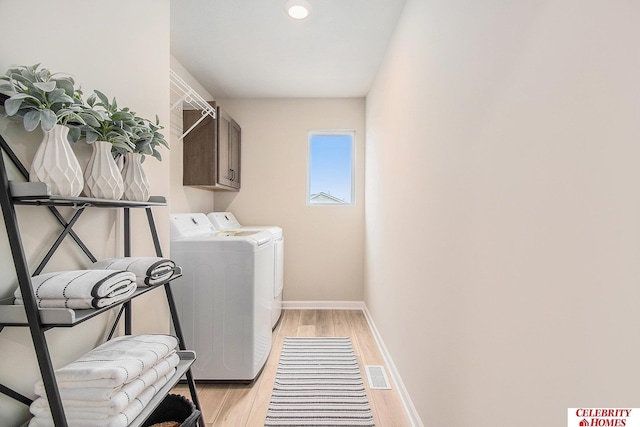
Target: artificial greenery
pixel 148 137
pixel 123 128
pixel 114 124
pixel 41 98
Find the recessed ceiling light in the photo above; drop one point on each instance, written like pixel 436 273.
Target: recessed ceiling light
pixel 298 9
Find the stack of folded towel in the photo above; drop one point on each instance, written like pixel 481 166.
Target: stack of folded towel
pixel 80 289
pixel 149 271
pixel 110 385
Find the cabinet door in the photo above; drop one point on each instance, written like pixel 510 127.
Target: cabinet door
pixel 225 174
pixel 199 149
pixel 234 153
pixel 211 151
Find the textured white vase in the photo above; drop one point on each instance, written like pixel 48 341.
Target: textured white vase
pixel 102 178
pixel 136 186
pixel 56 164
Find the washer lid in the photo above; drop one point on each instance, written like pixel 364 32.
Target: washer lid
pixel 227 221
pixel 190 225
pixel 222 242
pixel 260 237
pixel 223 221
pixel 273 229
pixel 197 227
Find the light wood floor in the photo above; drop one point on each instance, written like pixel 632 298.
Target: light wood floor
pixel 246 406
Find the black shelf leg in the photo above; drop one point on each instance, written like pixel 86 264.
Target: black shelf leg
pixel 127 232
pixel 154 232
pixel 127 318
pixel 178 329
pixel 127 252
pixel 174 317
pixel 30 305
pixel 115 323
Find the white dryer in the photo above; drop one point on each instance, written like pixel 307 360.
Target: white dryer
pixel 227 221
pixel 223 297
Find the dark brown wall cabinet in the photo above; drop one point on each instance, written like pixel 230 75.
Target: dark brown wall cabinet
pixel 211 156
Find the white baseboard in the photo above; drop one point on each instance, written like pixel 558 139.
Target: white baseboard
pixel 410 409
pixel 393 372
pixel 323 305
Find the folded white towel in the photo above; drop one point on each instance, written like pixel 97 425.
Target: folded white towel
pixel 110 400
pixel 118 361
pixel 40 406
pixel 80 284
pixel 93 419
pixel 149 271
pixel 79 303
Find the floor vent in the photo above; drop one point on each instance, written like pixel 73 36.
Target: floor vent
pixel 377 377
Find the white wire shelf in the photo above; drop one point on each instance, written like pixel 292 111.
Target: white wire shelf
pixel 189 99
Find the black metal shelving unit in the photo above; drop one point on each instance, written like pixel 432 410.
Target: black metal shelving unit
pixel 38 321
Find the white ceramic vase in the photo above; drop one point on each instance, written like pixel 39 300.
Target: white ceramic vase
pixel 56 164
pixel 102 178
pixel 136 186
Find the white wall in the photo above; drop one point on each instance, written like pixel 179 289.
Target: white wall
pixel 323 244
pixel 99 45
pixel 502 208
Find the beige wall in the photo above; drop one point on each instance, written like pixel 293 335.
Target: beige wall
pixel 323 244
pixel 502 208
pixel 84 44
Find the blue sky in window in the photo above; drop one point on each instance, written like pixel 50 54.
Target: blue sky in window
pixel 330 165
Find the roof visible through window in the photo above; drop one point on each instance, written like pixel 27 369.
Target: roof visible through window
pixel 330 168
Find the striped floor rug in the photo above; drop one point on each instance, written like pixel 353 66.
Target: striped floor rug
pixel 318 383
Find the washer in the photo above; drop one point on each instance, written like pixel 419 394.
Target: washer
pixel 227 221
pixel 224 297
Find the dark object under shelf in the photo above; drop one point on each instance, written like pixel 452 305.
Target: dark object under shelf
pixel 174 408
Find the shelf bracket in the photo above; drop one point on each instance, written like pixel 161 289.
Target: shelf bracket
pixel 15 395
pixel 58 241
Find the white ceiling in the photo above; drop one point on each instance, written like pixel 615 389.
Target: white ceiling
pixel 251 48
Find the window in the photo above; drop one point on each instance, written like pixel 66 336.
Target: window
pixel 330 180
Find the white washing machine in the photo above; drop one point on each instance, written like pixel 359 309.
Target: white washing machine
pixel 227 221
pixel 224 297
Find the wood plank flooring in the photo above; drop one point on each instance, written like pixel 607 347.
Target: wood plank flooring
pixel 246 406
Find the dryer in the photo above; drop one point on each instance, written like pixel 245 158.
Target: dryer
pixel 227 221
pixel 224 297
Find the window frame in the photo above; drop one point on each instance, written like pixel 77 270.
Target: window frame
pixel 336 132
